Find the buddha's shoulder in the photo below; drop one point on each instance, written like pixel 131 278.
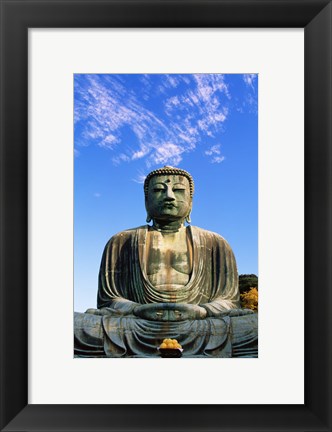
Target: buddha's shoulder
pixel 126 234
pixel 209 234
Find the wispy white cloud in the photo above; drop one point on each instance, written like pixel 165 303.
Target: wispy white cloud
pixel 217 159
pixel 120 158
pixel 250 102
pixel 108 111
pixel 172 81
pixel 141 153
pixel 249 79
pixel 168 153
pixel 97 195
pixel 140 178
pixel 215 152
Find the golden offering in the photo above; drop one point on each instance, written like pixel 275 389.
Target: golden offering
pixel 170 348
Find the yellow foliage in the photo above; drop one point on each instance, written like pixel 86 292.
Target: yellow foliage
pixel 249 300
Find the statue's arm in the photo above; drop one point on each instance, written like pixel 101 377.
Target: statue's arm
pixel 218 306
pixel 115 307
pixel 120 306
pixel 228 294
pixel 110 297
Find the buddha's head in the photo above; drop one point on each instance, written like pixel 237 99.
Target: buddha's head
pixel 168 194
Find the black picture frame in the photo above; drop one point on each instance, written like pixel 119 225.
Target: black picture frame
pixel 17 16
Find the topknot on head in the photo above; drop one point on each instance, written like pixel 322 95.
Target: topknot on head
pixel 169 170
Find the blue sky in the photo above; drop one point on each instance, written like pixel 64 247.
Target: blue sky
pixel 128 125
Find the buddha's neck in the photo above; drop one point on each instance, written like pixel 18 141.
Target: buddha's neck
pixel 168 226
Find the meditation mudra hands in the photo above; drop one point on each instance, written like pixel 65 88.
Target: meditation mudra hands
pixel 170 312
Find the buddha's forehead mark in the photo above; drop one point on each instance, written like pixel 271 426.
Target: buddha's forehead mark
pixel 173 179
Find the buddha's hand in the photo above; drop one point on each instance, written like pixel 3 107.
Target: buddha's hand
pixel 170 312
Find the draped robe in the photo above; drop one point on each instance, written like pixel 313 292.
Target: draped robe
pixel 114 331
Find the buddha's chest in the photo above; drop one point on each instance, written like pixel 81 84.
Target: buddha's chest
pixel 168 257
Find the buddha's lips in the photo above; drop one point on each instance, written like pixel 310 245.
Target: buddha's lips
pixel 171 205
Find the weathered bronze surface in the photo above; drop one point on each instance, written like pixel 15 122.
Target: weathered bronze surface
pixel 167 280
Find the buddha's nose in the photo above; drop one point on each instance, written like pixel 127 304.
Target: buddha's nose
pixel 170 194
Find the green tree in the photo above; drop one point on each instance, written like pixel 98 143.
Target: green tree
pixel 247 281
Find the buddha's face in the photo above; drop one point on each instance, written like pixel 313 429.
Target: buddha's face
pixel 168 197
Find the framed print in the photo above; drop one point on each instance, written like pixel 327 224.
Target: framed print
pixel 136 400
pixel 44 61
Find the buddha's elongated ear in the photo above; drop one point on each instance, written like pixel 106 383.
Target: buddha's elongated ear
pixel 187 218
pixel 148 217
